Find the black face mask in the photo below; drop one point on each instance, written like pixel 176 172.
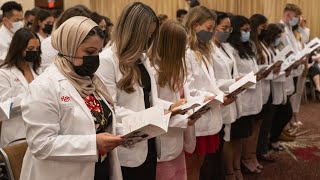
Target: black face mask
pixel 29 24
pixel 31 56
pixel 48 28
pixel 89 66
pixel 104 32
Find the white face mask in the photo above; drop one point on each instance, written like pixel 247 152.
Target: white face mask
pixel 294 21
pixel 16 26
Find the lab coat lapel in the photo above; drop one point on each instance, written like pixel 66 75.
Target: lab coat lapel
pixel 20 77
pixel 67 86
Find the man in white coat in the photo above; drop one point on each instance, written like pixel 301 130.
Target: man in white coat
pixel 12 21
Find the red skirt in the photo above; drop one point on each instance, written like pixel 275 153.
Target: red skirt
pixel 207 144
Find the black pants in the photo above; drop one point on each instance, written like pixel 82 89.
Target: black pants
pixel 268 112
pixel 101 169
pixel 283 114
pixel 145 171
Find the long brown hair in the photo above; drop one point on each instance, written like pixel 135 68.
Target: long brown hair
pixel 131 39
pixel 19 44
pixel 199 15
pixel 257 20
pixel 171 50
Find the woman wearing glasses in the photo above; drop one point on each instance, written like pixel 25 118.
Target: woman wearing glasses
pixel 226 73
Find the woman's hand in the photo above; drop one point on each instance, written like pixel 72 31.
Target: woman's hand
pixel 238 78
pixel 277 70
pixel 228 100
pixel 175 106
pixel 288 72
pixel 208 98
pixel 107 142
pixel 192 120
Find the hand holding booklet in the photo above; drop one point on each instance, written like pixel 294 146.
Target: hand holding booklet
pixel 197 106
pixel 144 125
pixel 242 84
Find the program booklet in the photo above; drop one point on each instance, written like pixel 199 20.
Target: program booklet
pixel 242 84
pixel 144 125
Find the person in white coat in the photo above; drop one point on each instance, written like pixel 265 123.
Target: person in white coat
pixel 171 74
pixel 19 69
pixel 43 24
pixel 200 23
pixel 226 73
pixel 304 30
pixel 68 112
pixel 291 17
pixel 259 24
pixel 281 107
pixel 12 20
pixel 126 71
pixel 249 103
pixel 48 52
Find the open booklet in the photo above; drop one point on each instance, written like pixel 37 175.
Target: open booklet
pixel 9 107
pixel 242 84
pixel 278 60
pixel 196 106
pixel 144 125
pixel 313 45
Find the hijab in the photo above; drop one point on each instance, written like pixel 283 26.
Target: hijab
pixel 66 40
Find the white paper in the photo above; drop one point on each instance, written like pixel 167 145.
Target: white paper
pixel 206 106
pixel 284 54
pixel 244 83
pixel 144 125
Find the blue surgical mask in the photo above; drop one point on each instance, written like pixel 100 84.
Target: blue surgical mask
pixel 277 42
pixel 245 36
pixel 299 30
pixel 294 21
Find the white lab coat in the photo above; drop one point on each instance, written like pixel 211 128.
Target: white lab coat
pixel 278 89
pixel 225 71
pixel 48 53
pixel 305 35
pixel 249 102
pixel 266 83
pixel 61 133
pixel 126 104
pixel 13 86
pixel 288 38
pixel 6 38
pixel 180 136
pixel 202 82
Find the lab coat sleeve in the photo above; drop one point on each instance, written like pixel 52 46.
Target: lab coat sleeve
pixel 189 139
pixel 166 104
pixel 298 71
pixel 224 84
pixel 7 92
pixel 179 121
pixel 41 114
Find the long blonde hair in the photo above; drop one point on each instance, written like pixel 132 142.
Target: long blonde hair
pixel 131 39
pixel 199 15
pixel 172 68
